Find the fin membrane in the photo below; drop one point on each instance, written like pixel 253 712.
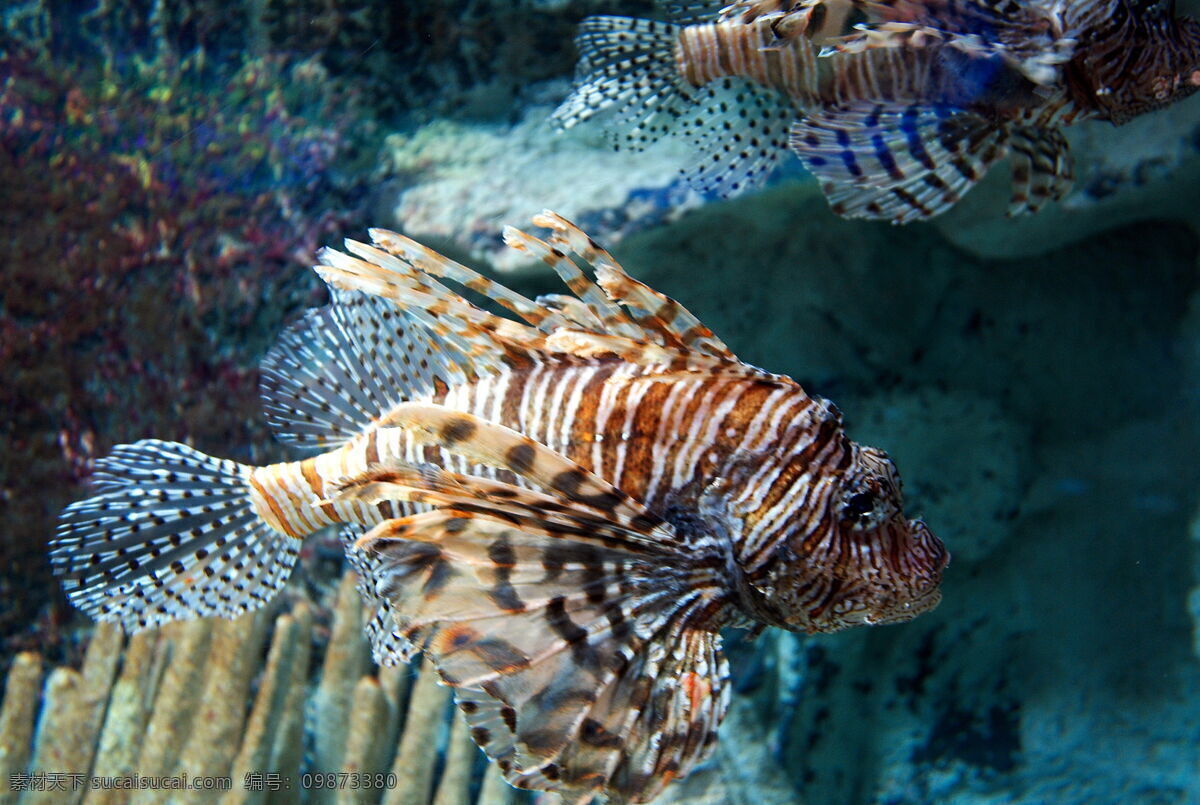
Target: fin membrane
pixel 388 646
pixel 582 648
pixel 336 369
pixel 1042 168
pixel 899 163
pixel 738 132
pixel 626 66
pixel 170 534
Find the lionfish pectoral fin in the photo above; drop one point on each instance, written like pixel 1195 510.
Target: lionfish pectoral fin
pixel 897 162
pixel 627 68
pixel 171 533
pixel 580 640
pixel 738 131
pixel 1042 168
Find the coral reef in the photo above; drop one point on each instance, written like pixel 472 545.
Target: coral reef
pixel 158 215
pixel 208 698
pixel 417 58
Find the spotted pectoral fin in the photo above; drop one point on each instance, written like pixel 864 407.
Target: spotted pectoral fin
pixel 896 162
pixel 738 131
pixel 583 662
pixel 1042 168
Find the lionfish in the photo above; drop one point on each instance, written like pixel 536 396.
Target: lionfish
pixel 898 107
pixel 562 507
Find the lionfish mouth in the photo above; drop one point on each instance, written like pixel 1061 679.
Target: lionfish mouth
pixel 932 559
pixel 907 610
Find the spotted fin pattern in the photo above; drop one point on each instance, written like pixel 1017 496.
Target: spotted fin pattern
pixel 692 12
pixel 899 163
pixel 332 372
pixel 627 68
pixel 1042 169
pixel 171 533
pixel 738 131
pixel 579 635
pixel 388 647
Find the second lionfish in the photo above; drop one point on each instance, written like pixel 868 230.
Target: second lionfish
pixel 562 508
pixel 898 107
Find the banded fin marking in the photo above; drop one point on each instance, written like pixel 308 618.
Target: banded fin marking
pixel 612 317
pixel 626 66
pixel 431 486
pixel 900 163
pixel 1042 168
pixel 427 260
pixel 1028 38
pixel 478 342
pixel 583 661
pixel 738 131
pixel 170 533
pixel 692 12
pixel 657 313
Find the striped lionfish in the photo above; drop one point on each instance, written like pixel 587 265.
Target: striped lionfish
pixel 561 507
pixel 898 107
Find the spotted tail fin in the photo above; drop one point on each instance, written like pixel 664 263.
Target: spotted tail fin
pixel 627 67
pixel 170 534
pixel 580 635
pixel 898 163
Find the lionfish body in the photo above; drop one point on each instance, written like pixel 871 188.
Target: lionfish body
pixel 897 106
pixel 560 512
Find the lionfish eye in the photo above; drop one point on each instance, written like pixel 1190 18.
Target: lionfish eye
pixel 857 505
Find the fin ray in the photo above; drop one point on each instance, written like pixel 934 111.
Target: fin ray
pixel 897 162
pixel 171 533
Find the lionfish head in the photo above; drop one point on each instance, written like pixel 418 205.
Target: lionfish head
pixel 1152 62
pixel 863 562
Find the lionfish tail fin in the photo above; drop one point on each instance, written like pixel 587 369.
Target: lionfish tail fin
pixel 626 67
pixel 896 162
pixel 171 533
pixel 579 634
pixel 1042 168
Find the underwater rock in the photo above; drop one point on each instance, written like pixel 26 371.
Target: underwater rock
pixel 972 455
pixel 463 182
